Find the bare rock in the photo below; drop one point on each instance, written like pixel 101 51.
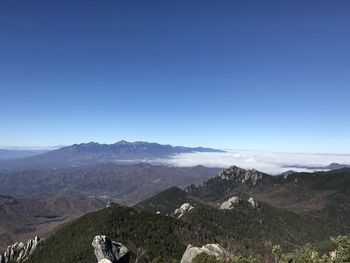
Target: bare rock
pixel 230 203
pixel 253 203
pixel 110 251
pixel 241 175
pixel 184 208
pixel 19 252
pixel 211 249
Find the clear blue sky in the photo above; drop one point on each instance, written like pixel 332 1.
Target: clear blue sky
pixel 271 75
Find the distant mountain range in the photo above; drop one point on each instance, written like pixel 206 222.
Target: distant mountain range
pixel 92 153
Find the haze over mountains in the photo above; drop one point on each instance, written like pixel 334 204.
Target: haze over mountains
pixel 11 154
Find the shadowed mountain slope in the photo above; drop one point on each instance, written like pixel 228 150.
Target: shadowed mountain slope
pixel 24 218
pixel 123 183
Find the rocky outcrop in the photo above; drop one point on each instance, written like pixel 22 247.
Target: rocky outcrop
pixel 107 251
pixel 253 203
pixel 287 173
pixel 230 203
pixel 241 175
pixel 19 252
pixel 184 208
pixel 210 249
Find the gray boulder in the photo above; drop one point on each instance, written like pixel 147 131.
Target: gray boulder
pixel 210 249
pixel 253 203
pixel 107 250
pixel 184 208
pixel 230 203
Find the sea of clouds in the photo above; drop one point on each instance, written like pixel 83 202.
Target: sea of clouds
pixel 268 162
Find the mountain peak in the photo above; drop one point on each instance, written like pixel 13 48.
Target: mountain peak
pixel 240 174
pixel 122 142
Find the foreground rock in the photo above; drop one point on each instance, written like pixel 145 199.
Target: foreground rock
pixel 108 251
pixel 185 207
pixel 230 203
pixel 209 249
pixel 19 252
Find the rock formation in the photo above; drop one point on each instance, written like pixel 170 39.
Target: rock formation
pixel 19 252
pixel 107 250
pixel 252 202
pixel 185 207
pixel 210 249
pixel 241 175
pixel 230 203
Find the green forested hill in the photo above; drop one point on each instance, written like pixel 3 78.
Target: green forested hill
pixel 150 235
pixel 247 229
pixel 325 195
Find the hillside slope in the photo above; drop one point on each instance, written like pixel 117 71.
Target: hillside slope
pixel 149 236
pixel 252 227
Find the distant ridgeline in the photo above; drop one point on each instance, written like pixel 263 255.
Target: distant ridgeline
pixel 238 216
pixel 94 153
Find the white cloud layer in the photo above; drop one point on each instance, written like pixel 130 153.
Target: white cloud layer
pixel 268 162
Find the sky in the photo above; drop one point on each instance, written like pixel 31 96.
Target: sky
pixel 264 75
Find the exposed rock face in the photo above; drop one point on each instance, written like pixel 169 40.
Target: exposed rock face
pixel 210 249
pixel 19 252
pixel 287 173
pixel 230 203
pixel 241 175
pixel 107 250
pixel 185 207
pixel 333 255
pixel 253 203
